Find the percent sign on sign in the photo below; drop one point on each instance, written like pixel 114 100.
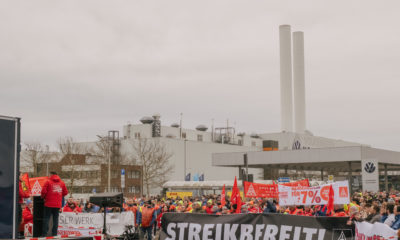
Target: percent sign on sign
pixel 312 195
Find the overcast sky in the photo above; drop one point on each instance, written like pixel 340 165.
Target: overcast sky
pixel 80 68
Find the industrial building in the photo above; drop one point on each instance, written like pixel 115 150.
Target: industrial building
pixel 365 167
pixel 218 152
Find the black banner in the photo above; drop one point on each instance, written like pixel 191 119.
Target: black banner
pixel 188 226
pixel 9 142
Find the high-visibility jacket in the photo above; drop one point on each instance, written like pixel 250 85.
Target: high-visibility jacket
pixel 147 216
pixel 296 211
pixel 339 214
pixel 189 209
pixel 133 209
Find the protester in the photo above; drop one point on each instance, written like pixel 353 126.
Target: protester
pixel 27 214
pixel 71 206
pixel 131 206
pixel 52 192
pixel 391 218
pixel 145 219
pixel 91 208
pixel 374 214
pixel 22 194
pixel 396 224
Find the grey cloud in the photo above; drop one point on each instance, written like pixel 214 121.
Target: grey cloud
pixel 80 68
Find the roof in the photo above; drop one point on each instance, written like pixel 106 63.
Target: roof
pixel 214 184
pixel 337 158
pixel 207 184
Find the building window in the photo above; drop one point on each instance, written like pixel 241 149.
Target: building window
pixel 137 135
pixel 134 174
pixel 183 135
pixel 253 143
pixel 114 189
pixel 114 174
pixel 134 189
pixel 199 137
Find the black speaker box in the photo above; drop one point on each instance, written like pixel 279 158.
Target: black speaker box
pixel 38 210
pixel 108 199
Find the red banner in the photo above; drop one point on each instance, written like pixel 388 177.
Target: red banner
pixel 260 190
pixel 36 185
pixel 300 183
pixel 269 190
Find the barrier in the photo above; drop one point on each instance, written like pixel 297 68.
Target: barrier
pixel 187 226
pixel 88 224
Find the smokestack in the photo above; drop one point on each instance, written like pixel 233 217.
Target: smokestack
pixel 285 50
pixel 298 83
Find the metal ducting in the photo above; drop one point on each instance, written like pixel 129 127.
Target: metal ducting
pixel 147 120
pixel 202 128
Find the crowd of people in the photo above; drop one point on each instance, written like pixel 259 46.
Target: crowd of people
pixel 371 207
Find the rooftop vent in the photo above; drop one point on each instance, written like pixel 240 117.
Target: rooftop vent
pixel 254 135
pixel 241 134
pixel 202 128
pixel 147 120
pixel 170 135
pixel 175 125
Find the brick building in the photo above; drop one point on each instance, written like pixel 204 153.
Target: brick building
pixel 88 174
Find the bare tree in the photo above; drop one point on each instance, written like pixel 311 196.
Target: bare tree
pixel 70 149
pixel 35 153
pixel 102 149
pixel 154 158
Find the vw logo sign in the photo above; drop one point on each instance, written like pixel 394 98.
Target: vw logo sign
pixel 369 167
pixel 296 144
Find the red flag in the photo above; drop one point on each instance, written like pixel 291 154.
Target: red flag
pixel 239 202
pixel 25 183
pixel 330 200
pixel 235 191
pixel 223 201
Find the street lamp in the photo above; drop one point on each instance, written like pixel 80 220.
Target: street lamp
pixel 108 146
pixel 109 164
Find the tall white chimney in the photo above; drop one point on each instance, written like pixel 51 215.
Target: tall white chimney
pixel 298 83
pixel 285 50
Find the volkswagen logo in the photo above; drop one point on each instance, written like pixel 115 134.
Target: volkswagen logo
pixel 369 167
pixel 296 145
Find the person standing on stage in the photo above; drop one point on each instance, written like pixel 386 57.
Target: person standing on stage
pixel 53 192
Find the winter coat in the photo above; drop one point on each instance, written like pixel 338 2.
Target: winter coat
pixel 53 191
pixel 67 208
pixel 27 216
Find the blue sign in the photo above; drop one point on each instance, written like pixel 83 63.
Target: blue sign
pixel 201 178
pixel 284 179
pixel 122 171
pixel 187 177
pixel 196 177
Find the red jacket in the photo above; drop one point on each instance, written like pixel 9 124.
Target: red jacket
pixel 27 216
pixel 209 210
pixel 68 209
pixel 53 191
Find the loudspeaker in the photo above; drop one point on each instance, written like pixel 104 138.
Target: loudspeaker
pixel 108 199
pixel 38 211
pixel 250 178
